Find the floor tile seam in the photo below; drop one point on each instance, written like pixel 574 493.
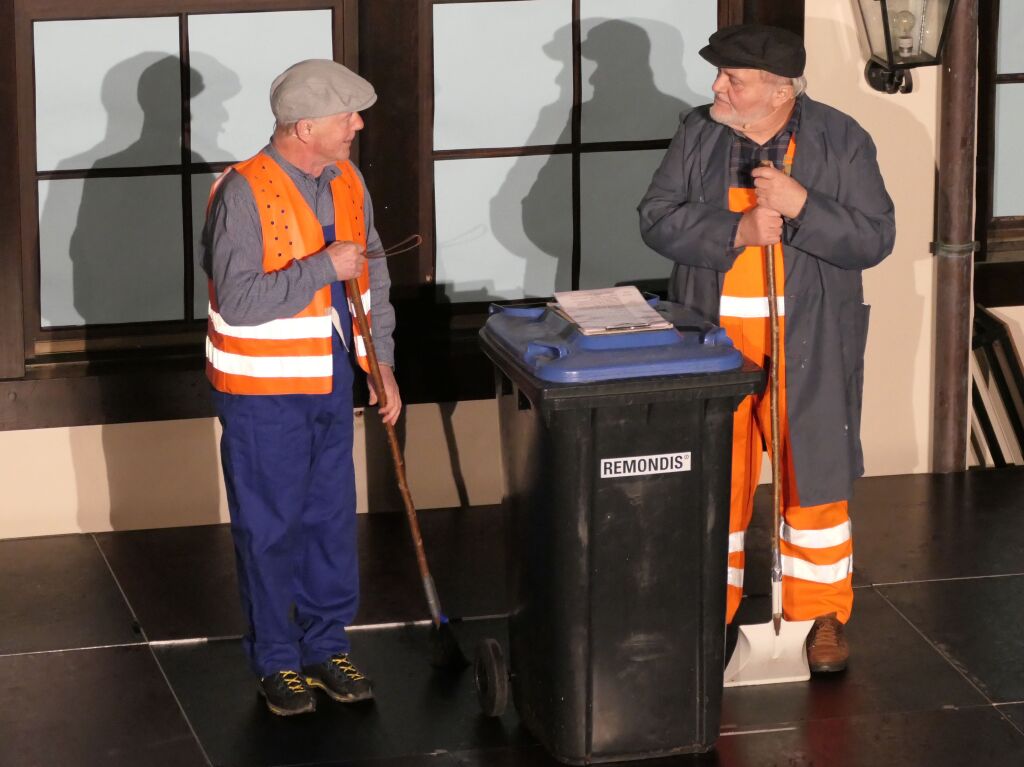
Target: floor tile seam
pixel 191 641
pixel 796 724
pixel 449 758
pixel 423 622
pixel 120 588
pixel 1006 717
pixel 181 707
pixel 196 641
pixel 945 656
pixel 764 730
pixel 140 643
pixel 943 580
pixel 359 627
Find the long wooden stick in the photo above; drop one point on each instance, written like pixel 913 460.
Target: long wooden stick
pixel 355 296
pixel 773 405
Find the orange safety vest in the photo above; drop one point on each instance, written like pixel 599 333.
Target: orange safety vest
pixel 291 355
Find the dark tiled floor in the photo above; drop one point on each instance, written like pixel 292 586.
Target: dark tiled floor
pixel 417 710
pixel 181 581
pixel 887 675
pixel 109 706
pixel 58 593
pixel 937 676
pixel 949 614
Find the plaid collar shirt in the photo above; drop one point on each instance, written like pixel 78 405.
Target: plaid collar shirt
pixel 746 155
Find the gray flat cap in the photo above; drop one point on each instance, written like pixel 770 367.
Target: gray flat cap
pixel 317 88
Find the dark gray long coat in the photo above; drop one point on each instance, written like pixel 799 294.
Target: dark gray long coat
pixel 847 226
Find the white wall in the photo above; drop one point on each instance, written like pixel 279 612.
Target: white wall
pixel 165 474
pixel 896 428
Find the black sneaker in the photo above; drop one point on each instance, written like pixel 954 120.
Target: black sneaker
pixel 339 679
pixel 287 694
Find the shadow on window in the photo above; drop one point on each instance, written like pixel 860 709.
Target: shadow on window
pixel 112 252
pixel 528 213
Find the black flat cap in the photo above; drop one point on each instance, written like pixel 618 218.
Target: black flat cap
pixel 756 46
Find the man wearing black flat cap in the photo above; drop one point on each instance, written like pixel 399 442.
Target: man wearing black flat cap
pixel 766 164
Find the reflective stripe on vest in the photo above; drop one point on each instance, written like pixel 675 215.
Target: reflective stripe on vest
pixel 745 287
pixel 735 306
pixel 291 355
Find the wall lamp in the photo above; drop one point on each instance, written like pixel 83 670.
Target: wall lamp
pixel 902 34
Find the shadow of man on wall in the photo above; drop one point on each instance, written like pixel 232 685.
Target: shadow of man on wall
pixel 119 233
pixel 533 206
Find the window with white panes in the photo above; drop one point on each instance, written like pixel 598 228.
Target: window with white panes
pixel 1001 121
pixel 550 117
pixel 134 118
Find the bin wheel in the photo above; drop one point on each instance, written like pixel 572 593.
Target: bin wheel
pixel 491 678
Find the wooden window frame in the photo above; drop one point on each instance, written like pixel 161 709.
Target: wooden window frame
pixel 997 282
pixel 99 373
pixel 995 234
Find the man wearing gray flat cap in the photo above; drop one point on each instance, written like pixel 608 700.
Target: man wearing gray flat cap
pixel 765 164
pixel 284 232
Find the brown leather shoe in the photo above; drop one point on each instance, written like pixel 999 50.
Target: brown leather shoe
pixel 827 651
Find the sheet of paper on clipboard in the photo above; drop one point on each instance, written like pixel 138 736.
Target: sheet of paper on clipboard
pixel 610 310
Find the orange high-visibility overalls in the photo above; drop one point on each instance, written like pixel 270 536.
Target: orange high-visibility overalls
pixel 816 545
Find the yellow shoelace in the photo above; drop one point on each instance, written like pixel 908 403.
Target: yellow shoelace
pixel 342 662
pixel 293 681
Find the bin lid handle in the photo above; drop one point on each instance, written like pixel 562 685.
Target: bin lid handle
pixel 536 349
pixel 532 312
pixel 717 337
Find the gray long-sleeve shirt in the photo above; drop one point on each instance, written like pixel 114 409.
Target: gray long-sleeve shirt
pixel 231 254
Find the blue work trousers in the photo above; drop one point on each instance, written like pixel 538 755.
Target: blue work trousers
pixel 291 494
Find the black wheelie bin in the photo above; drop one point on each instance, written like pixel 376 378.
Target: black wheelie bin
pixel 616 452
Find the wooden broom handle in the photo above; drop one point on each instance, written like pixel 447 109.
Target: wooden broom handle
pixel 355 296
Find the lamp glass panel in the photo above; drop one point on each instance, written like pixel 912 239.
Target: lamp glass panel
pixel 232 72
pixel 641 59
pixel 504 227
pixel 915 29
pixel 904 27
pixel 201 183
pixel 1008 168
pixel 117 82
pixel 934 14
pixel 110 250
pixel 1010 54
pixel 502 73
pixel 871 12
pixel 611 250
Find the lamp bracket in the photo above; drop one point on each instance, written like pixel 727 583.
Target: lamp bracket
pixel 888 81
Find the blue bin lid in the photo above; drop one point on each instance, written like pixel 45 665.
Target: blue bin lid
pixel 553 349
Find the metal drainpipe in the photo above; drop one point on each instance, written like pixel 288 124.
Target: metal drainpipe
pixel 954 247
